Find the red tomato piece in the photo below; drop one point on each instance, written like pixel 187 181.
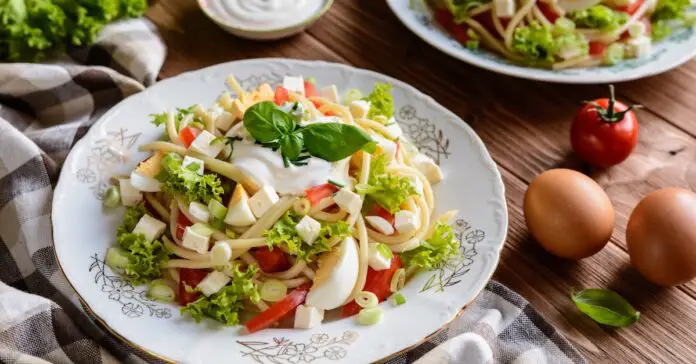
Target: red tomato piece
pixel 188 135
pixel 604 132
pixel 272 261
pixel 181 224
pixel 380 211
pixel 597 48
pixel 546 9
pixel 631 8
pixel 459 33
pixel 329 113
pixel 444 18
pixel 310 89
pixel 318 193
pixel 191 278
pixel 278 309
pixel 281 96
pixel 378 282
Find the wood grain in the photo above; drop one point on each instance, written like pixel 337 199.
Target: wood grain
pixel 525 126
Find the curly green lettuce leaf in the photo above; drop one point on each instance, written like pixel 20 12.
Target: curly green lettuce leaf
pixel 433 253
pixel 284 232
pixel 161 118
pixel 599 17
pixel 670 9
pixel 460 8
pixel 535 43
pixel 660 30
pixel 184 181
pixel 381 101
pixel 226 305
pixel 145 258
pixel 131 218
pixel 387 190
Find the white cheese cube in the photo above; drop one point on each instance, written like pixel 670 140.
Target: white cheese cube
pixel 194 241
pixel 504 8
pixel 375 259
pixel 213 282
pixel 638 47
pixel 294 84
pixel 427 166
pixel 220 253
pixel 150 227
pixel 348 201
pixel 263 200
pixel 359 108
pixel 144 183
pixel 394 128
pixel 330 93
pixel 193 162
pixel 637 29
pixel 240 214
pixel 386 146
pixel 224 121
pixel 202 144
pixel 570 51
pixel 308 229
pixel 130 196
pixel 380 224
pixel 307 317
pixel 406 221
pixel 199 211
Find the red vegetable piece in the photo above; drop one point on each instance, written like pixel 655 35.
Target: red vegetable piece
pixel 191 278
pixel 318 193
pixel 378 282
pixel 278 309
pixel 272 261
pixel 281 96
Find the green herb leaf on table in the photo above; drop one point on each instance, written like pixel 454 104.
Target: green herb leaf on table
pixel 605 307
pixel 335 141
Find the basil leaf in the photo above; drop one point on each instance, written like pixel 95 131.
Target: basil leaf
pixel 260 121
pixel 335 141
pixel 284 122
pixel 605 307
pixel 291 147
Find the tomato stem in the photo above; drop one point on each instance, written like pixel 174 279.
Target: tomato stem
pixel 610 115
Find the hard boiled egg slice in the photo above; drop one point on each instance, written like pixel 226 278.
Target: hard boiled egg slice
pixel 336 276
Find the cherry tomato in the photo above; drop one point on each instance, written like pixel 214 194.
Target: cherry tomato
pixel 631 8
pixel 191 278
pixel 310 89
pixel 272 261
pixel 318 193
pixel 188 135
pixel 378 282
pixel 278 309
pixel 281 96
pixel 597 48
pixel 181 223
pixel 604 132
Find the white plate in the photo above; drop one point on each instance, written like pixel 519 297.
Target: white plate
pixel 667 54
pixel 83 230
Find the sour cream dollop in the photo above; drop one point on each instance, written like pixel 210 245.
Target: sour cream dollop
pixel 266 14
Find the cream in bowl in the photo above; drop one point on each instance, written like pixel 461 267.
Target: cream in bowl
pixel 264 19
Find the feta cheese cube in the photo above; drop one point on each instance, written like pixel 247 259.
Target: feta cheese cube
pixel 199 211
pixel 570 51
pixel 406 221
pixel 194 241
pixel 348 200
pixel 294 84
pixel 386 146
pixel 359 108
pixel 637 29
pixel 427 166
pixel 307 317
pixel 144 183
pixel 504 8
pixel 150 227
pixel 220 253
pixel 394 128
pixel 263 200
pixel 202 144
pixel 375 259
pixel 380 224
pixel 330 93
pixel 213 282
pixel 130 196
pixel 638 47
pixel 193 162
pixel 308 229
pixel 224 120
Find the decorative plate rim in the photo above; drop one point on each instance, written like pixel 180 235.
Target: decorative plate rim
pixel 451 119
pixel 537 74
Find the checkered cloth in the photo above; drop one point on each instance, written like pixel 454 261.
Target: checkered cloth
pixel 44 110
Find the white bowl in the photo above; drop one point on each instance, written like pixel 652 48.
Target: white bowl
pixel 257 34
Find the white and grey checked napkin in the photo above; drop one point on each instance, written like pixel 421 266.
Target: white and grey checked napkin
pixel 44 110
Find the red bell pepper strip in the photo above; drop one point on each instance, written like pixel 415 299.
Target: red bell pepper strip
pixel 272 261
pixel 281 96
pixel 278 309
pixel 191 278
pixel 378 282
pixel 188 135
pixel 318 193
pixel 181 224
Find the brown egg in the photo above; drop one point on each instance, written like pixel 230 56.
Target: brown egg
pixel 661 236
pixel 568 213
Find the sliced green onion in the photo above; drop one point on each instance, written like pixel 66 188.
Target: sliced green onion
pixel 302 206
pixel 202 229
pixel 384 251
pixel 563 26
pixel 398 299
pixel 337 184
pixel 230 233
pixel 217 209
pixel 218 224
pixel 366 299
pixel 273 290
pixel 370 316
pixel 160 291
pixel 362 188
pixel 398 280
pixel 116 258
pixel 351 95
pixel 613 54
pixel 312 80
pixel 472 44
pixel 112 196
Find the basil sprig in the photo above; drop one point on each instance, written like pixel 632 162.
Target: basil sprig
pixel 276 129
pixel 605 307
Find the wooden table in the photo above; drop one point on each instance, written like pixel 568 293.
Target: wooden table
pixel 525 125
